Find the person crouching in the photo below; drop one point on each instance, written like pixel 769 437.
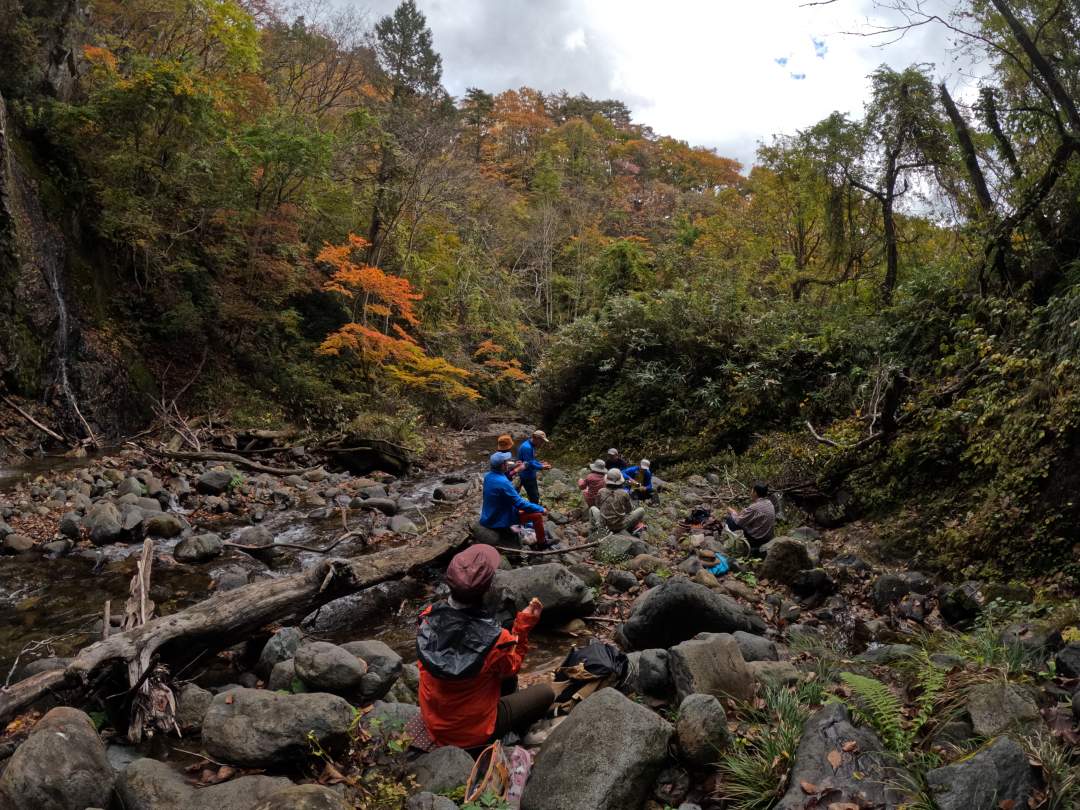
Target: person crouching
pixel 468 662
pixel 503 508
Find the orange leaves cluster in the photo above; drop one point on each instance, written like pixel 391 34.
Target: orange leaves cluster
pixel 376 337
pixel 100 57
pixel 489 353
pixel 393 293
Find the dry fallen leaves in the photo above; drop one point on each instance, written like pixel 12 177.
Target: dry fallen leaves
pixel 835 759
pixel 808 787
pixel 850 747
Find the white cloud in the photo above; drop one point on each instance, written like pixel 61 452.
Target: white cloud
pixel 575 40
pixel 720 73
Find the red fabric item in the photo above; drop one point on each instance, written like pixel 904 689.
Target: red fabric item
pixel 590 485
pixel 470 573
pixel 537 520
pixel 463 712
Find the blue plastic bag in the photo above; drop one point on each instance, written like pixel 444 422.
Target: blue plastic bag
pixel 721 566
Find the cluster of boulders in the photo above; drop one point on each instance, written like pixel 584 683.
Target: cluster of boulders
pixel 695 642
pixel 115 501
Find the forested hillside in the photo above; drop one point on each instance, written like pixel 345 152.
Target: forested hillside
pixel 271 218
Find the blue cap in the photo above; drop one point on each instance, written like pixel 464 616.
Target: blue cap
pixel 498 459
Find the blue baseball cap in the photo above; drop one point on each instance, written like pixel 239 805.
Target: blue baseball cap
pixel 498 459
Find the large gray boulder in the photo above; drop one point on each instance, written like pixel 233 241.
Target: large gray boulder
pixel 163 524
pixel 649 674
pixel 147 784
pixel 384 667
pixel 1067 660
pixel 702 730
pixel 281 647
pixel 304 797
pixel 214 482
pixel 678 610
pixel 257 729
pixel 755 648
pixel 564 596
pixel 785 557
pixel 61 766
pixel 429 801
pixel 998 776
pixel 102 522
pixel 191 706
pixel 604 756
pixel 859 780
pixel 998 706
pixel 620 547
pixel 323 666
pixel 442 770
pixel 198 548
pixel 710 664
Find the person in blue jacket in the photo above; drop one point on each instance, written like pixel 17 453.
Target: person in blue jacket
pixel 503 507
pixel 639 480
pixel 530 465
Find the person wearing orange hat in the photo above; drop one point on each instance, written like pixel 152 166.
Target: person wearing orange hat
pixel 505 444
pixel 468 661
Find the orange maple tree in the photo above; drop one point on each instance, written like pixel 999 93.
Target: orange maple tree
pixel 382 308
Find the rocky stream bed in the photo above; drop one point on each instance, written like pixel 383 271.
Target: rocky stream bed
pixel 812 678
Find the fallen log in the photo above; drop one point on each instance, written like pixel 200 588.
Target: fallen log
pixel 226 618
pixel 232 458
pixel 47 431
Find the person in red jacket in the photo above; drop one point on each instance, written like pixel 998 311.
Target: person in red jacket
pixel 468 662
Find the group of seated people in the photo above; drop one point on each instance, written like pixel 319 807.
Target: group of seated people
pixel 609 489
pixel 468 662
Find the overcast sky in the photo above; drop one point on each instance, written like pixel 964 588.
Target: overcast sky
pixel 719 73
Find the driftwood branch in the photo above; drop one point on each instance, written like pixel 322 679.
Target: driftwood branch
pixel 273 546
pixel 232 458
pixel 46 430
pixel 548 552
pixel 219 621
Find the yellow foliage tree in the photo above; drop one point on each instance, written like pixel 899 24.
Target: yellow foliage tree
pixel 382 306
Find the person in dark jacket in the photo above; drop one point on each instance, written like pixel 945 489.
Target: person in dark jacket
pixel 468 662
pixel 614 460
pixel 503 507
pixel 530 465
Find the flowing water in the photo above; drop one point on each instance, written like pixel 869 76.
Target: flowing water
pixel 44 245
pixel 60 601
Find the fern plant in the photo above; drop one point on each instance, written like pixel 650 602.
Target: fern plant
pixel 877 705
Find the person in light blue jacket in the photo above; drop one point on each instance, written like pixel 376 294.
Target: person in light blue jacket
pixel 503 507
pixel 530 465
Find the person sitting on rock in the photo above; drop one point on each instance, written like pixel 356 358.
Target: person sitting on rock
pixel 639 480
pixel 530 465
pixel 468 663
pixel 758 520
pixel 614 510
pixel 503 507
pixel 593 482
pixel 614 460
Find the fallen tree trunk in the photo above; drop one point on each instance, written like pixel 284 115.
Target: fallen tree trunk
pixel 232 458
pixel 223 619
